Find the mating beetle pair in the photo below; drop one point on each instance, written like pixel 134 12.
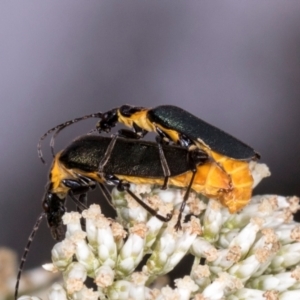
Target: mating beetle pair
pixel 173 124
pixel 206 160
pixel 75 171
pixel 201 144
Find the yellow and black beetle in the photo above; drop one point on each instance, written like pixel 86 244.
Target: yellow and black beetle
pixel 76 168
pixel 174 124
pixel 75 171
pixel 179 126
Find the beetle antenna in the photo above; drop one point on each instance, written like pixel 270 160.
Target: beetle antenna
pixel 57 129
pixel 52 141
pixel 26 250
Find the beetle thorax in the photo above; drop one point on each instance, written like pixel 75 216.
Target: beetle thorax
pixel 59 172
pixel 138 118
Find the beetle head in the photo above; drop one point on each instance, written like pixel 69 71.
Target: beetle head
pixel 108 120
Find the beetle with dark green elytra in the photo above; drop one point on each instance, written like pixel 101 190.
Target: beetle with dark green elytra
pixel 177 125
pixel 75 171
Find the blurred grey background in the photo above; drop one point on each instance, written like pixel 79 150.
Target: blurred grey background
pixel 235 64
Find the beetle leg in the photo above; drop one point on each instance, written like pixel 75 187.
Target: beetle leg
pixel 196 157
pixel 125 186
pixel 137 134
pixel 165 138
pixel 129 134
pixel 76 201
pixel 80 186
pixel 105 159
pixel 107 154
pixel 161 139
pixel 183 203
pixel 164 163
pixel 106 194
pixel 86 181
pixel 82 199
pixel 139 131
pixel 184 141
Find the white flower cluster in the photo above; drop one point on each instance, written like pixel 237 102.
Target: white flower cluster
pixel 253 254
